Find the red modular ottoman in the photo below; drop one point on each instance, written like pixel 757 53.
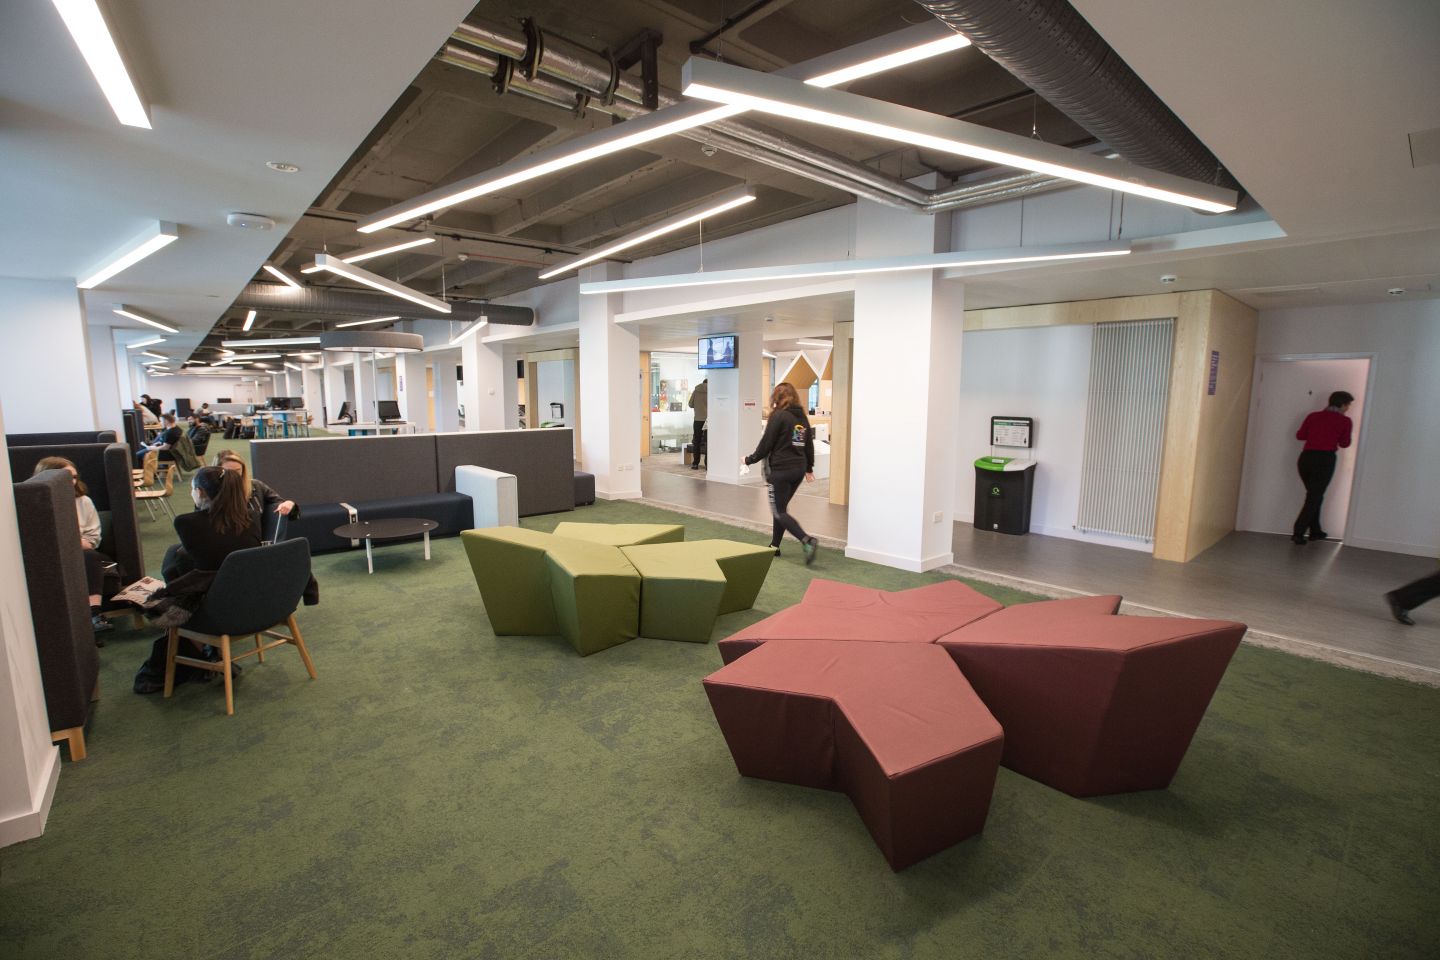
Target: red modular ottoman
pixel 842 611
pixel 1093 703
pixel 895 726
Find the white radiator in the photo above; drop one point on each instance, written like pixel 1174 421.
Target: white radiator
pixel 1125 427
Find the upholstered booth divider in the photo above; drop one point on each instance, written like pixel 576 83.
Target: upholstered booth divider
pixel 409 476
pixel 50 439
pixel 105 468
pixel 59 605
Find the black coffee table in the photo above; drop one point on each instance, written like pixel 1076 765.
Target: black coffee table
pixel 393 529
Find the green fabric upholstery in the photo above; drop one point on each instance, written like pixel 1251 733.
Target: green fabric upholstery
pixel 514 580
pixel 596 593
pixel 687 585
pixel 744 565
pixel 622 534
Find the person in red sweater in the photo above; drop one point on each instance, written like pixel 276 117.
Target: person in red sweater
pixel 1323 432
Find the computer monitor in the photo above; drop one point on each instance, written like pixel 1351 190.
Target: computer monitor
pixel 277 403
pixel 344 413
pixel 222 399
pixel 296 403
pixel 387 410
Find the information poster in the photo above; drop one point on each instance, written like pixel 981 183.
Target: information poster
pixel 1011 431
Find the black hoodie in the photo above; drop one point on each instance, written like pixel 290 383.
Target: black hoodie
pixel 788 443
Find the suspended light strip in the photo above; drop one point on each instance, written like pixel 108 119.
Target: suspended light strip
pixel 249 320
pixel 144 343
pixel 274 342
pixel 889 61
pixel 122 310
pixel 779 96
pixel 360 275
pixel 726 201
pixel 373 252
pixel 282 276
pixel 469 331
pixel 866 59
pixel 840 268
pixel 157 356
pixel 237 358
pixel 97 45
pixel 361 323
pixel 295 367
pixel 159 234
pixel 815 343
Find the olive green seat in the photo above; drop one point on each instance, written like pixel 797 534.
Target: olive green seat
pixel 538 584
pixel 622 534
pixel 685 586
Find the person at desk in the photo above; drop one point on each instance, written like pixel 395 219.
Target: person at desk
pixel 263 500
pixel 88 519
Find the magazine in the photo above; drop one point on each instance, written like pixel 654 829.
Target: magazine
pixel 141 592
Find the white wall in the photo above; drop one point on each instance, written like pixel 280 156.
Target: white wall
pixel 199 389
pixel 45 381
pixel 1395 504
pixel 108 400
pixel 555 383
pixel 1040 372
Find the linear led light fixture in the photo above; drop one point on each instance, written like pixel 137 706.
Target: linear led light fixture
pixel 874 56
pixel 97 45
pixel 158 234
pixel 840 268
pixel 158 356
pixel 469 331
pixel 274 342
pixel 282 276
pixel 121 310
pixel 339 267
pixel 295 367
pixel 144 343
pixel 728 200
pixel 249 320
pixel 372 252
pixel 782 97
pixel 815 343
pixel 237 358
pixel 361 323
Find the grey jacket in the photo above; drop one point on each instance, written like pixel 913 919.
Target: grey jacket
pixel 700 401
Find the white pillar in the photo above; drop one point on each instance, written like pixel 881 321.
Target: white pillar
pixel 906 397
pixel 410 388
pixel 106 381
pixel 29 763
pixel 310 380
pixel 609 419
pixel 482 394
pixel 365 392
pixel 447 397
pixel 45 380
pixel 334 379
pixel 736 402
pixel 510 392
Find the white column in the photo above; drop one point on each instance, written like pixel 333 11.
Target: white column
pixel 609 393
pixel 410 387
pixel 736 402
pixel 447 397
pixel 106 383
pixel 45 380
pixel 310 379
pixel 482 394
pixel 510 393
pixel 906 397
pixel 29 763
pixel 365 387
pixel 334 378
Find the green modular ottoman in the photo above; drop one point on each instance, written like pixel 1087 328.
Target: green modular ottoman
pixel 596 593
pixel 687 585
pixel 621 534
pixel 514 579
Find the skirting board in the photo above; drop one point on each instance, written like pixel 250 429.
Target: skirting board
pixel 617 494
pixel 29 825
pixel 1410 549
pixel 900 563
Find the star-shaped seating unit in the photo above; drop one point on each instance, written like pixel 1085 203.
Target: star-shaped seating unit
pixel 849 690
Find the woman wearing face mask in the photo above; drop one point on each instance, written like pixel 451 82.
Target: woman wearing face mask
pixel 221 524
pixel 96 563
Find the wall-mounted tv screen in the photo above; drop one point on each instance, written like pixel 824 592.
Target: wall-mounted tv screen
pixel 717 352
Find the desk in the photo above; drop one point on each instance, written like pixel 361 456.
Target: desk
pixel 368 428
pixel 287 423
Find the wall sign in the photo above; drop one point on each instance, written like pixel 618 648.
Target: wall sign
pixel 1214 372
pixel 1012 431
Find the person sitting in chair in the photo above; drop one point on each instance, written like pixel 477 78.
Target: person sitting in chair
pixel 96 563
pixel 221 524
pixel 264 501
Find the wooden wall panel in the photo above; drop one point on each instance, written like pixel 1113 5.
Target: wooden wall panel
pixel 842 363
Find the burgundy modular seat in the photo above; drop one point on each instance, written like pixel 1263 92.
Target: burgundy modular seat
pixel 894 726
pixel 1094 703
pixel 841 611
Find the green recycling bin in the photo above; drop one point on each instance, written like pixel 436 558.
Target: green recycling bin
pixel 1004 487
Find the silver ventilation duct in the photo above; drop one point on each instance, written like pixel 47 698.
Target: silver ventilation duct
pixel 1055 52
pixel 350 304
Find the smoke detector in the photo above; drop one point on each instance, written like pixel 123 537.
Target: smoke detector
pixel 250 221
pixel 1396 291
pixel 707 149
pixel 1168 278
pixel 280 166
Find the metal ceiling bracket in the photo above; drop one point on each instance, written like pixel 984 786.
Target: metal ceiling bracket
pixel 608 96
pixel 534 48
pixel 582 100
pixel 504 73
pixel 643 49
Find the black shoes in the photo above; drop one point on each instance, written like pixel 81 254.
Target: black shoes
pixel 1397 611
pixel 776 548
pixel 1298 540
pixel 1320 536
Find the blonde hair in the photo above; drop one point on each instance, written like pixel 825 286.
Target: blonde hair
pixel 223 457
pixel 60 463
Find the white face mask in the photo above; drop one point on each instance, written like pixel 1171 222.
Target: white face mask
pixel 199 497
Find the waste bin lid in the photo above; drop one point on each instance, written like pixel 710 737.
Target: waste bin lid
pixel 1004 464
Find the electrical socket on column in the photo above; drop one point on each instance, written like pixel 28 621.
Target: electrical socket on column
pixel 937 517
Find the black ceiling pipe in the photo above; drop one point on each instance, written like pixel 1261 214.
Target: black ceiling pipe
pixel 330 301
pixel 1054 51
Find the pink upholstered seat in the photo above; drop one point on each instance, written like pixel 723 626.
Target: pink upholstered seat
pixel 895 726
pixel 1094 703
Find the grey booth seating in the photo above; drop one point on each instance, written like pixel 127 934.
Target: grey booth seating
pixel 409 476
pixel 59 604
pixel 52 439
pixel 105 468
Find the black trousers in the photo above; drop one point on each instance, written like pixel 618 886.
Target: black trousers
pixel 1316 468
pixel 1416 592
pixel 697 448
pixel 783 484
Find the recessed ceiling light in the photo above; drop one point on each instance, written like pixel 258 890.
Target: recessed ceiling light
pixel 97 45
pixel 281 166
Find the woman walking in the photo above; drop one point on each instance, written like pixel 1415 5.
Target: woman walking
pixel 1323 432
pixel 788 450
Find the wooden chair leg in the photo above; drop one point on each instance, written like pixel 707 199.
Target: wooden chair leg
pixel 259 649
pixel 172 645
pixel 299 642
pixel 137 620
pixel 229 680
pixel 75 737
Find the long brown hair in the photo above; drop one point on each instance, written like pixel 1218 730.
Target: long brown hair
pixel 784 396
pixel 229 508
pixel 230 456
pixel 60 463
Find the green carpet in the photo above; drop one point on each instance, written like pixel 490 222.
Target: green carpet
pixel 439 792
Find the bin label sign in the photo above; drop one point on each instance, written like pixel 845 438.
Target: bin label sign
pixel 1214 372
pixel 994 491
